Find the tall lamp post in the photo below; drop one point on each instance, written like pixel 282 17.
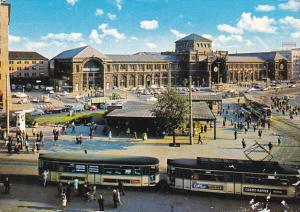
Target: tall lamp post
pixel 191 112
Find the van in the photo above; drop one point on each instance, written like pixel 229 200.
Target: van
pixel 77 107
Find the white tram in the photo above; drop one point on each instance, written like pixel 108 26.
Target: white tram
pixel 100 170
pixel 239 177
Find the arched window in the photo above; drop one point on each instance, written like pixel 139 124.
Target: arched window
pixel 165 79
pixel 115 81
pixel 156 80
pixel 123 81
pixel 131 80
pixel 140 80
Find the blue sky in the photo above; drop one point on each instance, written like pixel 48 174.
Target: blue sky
pixel 129 26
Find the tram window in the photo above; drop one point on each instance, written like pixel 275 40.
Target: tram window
pixel 228 177
pixel 154 169
pixel 127 171
pixel 183 173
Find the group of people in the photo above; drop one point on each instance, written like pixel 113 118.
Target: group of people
pixel 22 141
pixel 283 106
pixel 88 192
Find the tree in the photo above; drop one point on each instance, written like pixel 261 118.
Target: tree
pixel 171 111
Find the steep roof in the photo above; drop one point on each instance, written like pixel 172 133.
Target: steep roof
pixel 193 37
pixel 81 52
pixel 243 59
pixel 21 55
pixel 265 56
pixel 143 57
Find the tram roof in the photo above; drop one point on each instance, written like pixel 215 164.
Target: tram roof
pixel 268 167
pixel 96 158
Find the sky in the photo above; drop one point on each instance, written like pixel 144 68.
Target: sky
pixel 129 26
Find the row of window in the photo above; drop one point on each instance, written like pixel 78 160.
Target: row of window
pixel 11 68
pixel 117 67
pixel 25 61
pixel 33 74
pixel 262 179
pixel 101 169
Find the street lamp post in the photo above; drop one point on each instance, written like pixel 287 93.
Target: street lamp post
pixel 191 112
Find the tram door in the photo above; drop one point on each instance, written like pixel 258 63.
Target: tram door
pixel 238 183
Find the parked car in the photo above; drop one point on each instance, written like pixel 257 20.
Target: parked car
pixel 93 107
pixel 77 107
pixel 51 92
pixel 37 112
pixel 23 101
pixel 49 88
pixel 292 86
pixel 35 100
pixel 56 110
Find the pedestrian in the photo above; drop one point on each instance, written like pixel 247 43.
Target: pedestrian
pixel 33 132
pixel 235 135
pixel 224 123
pixel 254 127
pixel 75 184
pixel 201 128
pixel 119 197
pixel 205 128
pixel 68 192
pixel 128 131
pixel 73 127
pixel 145 137
pixel 109 135
pixel 45 176
pixel 26 146
pixel 259 133
pixel 115 198
pixel 59 189
pixel 135 135
pixel 243 143
pixel 121 187
pixel 199 139
pixel 6 185
pixel 279 140
pixel 270 145
pixel 64 201
pixel 101 203
pixel 269 124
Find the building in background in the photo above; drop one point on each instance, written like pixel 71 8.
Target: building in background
pixel 85 68
pixel 294 56
pixel 28 67
pixel 4 24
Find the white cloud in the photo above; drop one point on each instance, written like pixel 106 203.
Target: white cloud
pixel 289 20
pixel 99 12
pixel 177 34
pixel 95 37
pixel 133 38
pixel 249 43
pixel 225 39
pixel 151 45
pixel 107 31
pixel 70 37
pixel 293 5
pixel 296 35
pixel 149 25
pixel 208 36
pixel 72 2
pixel 15 39
pixel 229 29
pixel 111 16
pixel 255 24
pixel 119 4
pixel 264 8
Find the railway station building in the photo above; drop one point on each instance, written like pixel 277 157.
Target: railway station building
pixel 86 68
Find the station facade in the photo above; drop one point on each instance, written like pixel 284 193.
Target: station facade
pixel 86 68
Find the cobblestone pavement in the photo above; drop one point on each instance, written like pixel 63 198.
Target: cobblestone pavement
pixel 33 197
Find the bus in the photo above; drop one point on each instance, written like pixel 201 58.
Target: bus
pixel 236 177
pixel 100 169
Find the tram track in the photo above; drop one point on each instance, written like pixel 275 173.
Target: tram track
pixel 291 140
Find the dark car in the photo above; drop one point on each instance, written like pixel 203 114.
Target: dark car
pixel 56 110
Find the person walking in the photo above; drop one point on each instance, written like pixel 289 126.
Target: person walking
pixel 279 140
pixel 59 189
pixel 259 133
pixel 119 197
pixel 270 145
pixel 243 143
pixel 199 139
pixel 68 192
pixel 101 203
pixel 26 146
pixel 45 176
pixel 235 135
pixel 75 184
pixel 6 184
pixel 205 128
pixel 109 135
pixel 64 201
pixel 115 198
pixel 121 187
